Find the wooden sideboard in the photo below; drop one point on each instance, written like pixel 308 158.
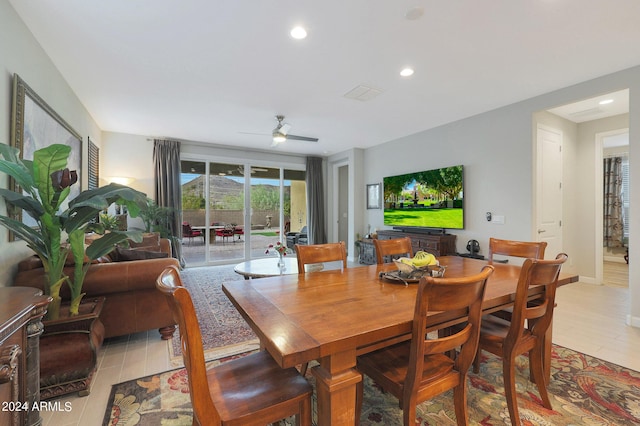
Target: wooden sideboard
pixel 438 244
pixel 21 312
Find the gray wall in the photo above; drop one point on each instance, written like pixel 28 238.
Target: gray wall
pixel 21 54
pixel 497 150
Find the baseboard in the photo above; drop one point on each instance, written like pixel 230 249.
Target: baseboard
pixel 633 321
pixel 614 259
pixel 587 280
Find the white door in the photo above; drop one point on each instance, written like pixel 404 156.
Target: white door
pixel 549 193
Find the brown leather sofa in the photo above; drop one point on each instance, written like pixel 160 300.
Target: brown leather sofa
pixel 132 302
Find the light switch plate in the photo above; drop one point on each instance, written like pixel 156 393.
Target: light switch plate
pixel 498 220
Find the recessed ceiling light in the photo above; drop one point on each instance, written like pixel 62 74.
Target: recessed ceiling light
pixel 298 33
pixel 606 101
pixel 406 72
pixel 414 13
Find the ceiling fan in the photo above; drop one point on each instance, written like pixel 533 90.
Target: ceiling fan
pixel 281 133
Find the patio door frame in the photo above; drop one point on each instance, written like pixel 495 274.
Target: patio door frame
pixel 247 164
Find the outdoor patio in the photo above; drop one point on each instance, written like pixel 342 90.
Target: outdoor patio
pixel 230 249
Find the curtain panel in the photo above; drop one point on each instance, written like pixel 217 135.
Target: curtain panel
pixel 315 201
pixel 168 192
pixel 613 202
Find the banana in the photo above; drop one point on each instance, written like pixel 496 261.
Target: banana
pixel 422 259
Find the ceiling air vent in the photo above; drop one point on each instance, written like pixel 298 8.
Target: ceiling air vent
pixel 585 112
pixel 363 93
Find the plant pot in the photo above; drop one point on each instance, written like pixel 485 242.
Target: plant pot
pixel 68 350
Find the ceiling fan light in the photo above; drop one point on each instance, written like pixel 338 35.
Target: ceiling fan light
pixel 278 137
pixel 298 33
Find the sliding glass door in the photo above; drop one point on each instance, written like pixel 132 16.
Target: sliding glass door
pixel 238 210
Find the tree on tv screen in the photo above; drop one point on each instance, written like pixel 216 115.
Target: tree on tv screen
pixel 446 181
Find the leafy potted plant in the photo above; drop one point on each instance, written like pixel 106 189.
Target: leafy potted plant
pixel 44 185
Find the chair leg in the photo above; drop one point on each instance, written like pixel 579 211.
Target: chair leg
pixel 539 377
pixel 303 418
pixel 409 412
pixel 508 372
pixel 460 402
pixel 476 362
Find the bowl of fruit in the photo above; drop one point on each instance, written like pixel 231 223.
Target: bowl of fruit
pixel 417 266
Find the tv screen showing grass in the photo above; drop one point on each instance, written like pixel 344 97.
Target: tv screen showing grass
pixel 429 199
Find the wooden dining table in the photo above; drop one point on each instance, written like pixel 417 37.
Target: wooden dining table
pixel 335 315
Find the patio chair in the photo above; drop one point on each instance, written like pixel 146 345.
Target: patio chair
pixel 188 232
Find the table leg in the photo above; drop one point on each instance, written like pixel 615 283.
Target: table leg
pixel 336 382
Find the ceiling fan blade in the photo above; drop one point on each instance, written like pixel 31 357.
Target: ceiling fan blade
pixel 251 133
pixel 301 138
pixel 284 129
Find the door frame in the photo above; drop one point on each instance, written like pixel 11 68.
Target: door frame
pixel 538 176
pixel 599 201
pixel 335 174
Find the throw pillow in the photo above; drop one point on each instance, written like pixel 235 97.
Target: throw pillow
pixel 120 254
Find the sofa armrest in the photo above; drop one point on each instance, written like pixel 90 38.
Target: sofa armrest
pixel 117 277
pixel 165 246
pixel 105 278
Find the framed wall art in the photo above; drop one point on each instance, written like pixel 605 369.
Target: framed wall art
pixel 373 196
pixel 34 125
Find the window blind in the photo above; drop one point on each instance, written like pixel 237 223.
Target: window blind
pixel 94 165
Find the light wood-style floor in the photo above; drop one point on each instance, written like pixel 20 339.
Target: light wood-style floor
pixel 589 319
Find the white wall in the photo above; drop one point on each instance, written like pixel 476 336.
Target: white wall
pixel 21 54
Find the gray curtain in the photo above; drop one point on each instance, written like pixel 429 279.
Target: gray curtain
pixel 168 193
pixel 315 201
pixel 613 220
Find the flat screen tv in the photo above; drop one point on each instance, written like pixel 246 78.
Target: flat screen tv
pixel 427 199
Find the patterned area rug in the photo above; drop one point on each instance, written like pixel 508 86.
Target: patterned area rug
pixel 584 391
pixel 224 331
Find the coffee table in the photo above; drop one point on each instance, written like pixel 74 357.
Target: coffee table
pixel 266 267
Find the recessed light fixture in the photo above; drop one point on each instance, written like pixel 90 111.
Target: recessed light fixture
pixel 606 102
pixel 406 72
pixel 414 13
pixel 298 33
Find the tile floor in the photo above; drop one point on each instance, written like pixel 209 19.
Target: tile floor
pixel 589 318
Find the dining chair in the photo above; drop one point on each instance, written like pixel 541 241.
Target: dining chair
pixel 315 255
pixel 318 254
pixel 525 331
pixel 419 369
pixel 524 249
pixel 395 247
pixel 188 232
pixel 250 390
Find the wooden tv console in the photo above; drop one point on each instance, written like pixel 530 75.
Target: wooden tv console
pixel 438 244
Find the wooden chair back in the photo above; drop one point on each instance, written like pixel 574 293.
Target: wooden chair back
pixel 534 272
pixel 387 250
pixel 525 249
pixel 320 253
pixel 184 314
pixel 524 330
pixel 418 370
pixel 446 294
pixel 242 398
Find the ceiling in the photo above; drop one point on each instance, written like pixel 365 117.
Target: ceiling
pixel 218 72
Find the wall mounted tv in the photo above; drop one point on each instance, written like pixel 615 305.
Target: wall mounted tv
pixel 427 199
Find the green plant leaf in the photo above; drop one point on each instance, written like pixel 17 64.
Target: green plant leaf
pixel 25 233
pixel 46 161
pixel 28 204
pixel 19 173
